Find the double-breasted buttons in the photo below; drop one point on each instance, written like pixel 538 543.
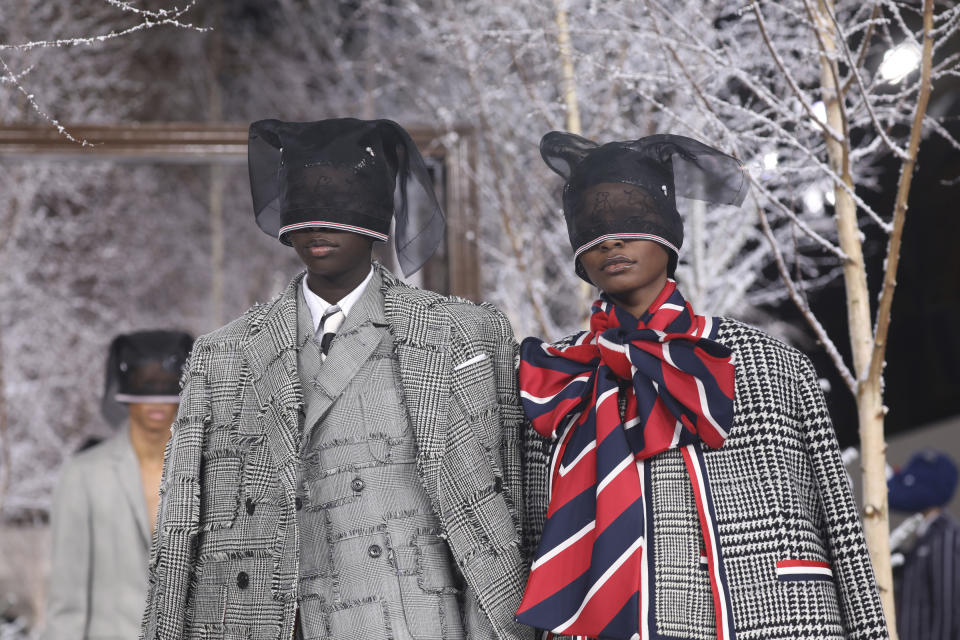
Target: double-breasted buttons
pixel 358 484
pixel 375 551
pixel 251 507
pixel 243 580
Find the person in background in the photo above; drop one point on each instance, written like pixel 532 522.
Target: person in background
pixel 927 573
pixel 105 505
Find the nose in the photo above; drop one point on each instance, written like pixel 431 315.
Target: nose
pixel 610 244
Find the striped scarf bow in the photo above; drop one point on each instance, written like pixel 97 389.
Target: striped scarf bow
pixel 593 574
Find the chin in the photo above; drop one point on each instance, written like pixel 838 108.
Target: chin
pixel 614 287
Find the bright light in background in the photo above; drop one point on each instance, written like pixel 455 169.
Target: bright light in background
pixel 830 197
pixel 820 112
pixel 813 199
pixel 770 160
pixel 899 62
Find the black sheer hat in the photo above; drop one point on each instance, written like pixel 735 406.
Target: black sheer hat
pixel 346 174
pixel 629 189
pixel 143 366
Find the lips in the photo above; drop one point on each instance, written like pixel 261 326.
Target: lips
pixel 617 264
pixel 320 247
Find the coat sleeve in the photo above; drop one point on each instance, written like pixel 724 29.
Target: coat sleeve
pixel 511 417
pixel 860 607
pixel 172 561
pixel 68 591
pixel 536 486
pixel 537 454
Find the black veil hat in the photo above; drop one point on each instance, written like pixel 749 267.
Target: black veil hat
pixel 346 174
pixel 628 189
pixel 143 366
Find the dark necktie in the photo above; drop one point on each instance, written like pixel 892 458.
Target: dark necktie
pixel 329 323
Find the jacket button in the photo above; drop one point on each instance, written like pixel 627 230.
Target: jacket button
pixel 498 484
pixel 251 507
pixel 243 580
pixel 375 551
pixel 298 503
pixel 357 484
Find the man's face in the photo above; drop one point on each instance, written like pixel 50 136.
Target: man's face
pixel 329 253
pixel 153 416
pixel 621 266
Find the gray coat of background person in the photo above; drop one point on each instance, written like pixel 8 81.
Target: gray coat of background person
pixel 98 573
pixel 237 438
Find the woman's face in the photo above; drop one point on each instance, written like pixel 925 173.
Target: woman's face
pixel 622 266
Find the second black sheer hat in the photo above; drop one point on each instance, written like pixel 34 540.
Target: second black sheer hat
pixel 628 189
pixel 143 366
pixel 347 174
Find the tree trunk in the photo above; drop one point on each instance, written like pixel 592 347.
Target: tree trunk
pixel 5 459
pixel 215 188
pixel 569 72
pixel 870 410
pixel 572 121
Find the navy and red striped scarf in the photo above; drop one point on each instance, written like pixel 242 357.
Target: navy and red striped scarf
pixel 619 394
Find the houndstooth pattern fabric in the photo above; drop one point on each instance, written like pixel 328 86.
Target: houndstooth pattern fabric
pixel 780 493
pixel 225 556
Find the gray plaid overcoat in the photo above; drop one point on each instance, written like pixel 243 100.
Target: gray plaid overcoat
pixel 230 471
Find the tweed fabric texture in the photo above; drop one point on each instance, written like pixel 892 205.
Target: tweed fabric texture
pixel 370 536
pixel 780 493
pixel 236 443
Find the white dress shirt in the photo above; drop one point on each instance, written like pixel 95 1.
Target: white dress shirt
pixel 318 306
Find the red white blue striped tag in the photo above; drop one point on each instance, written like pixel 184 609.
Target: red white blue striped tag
pixel 795 570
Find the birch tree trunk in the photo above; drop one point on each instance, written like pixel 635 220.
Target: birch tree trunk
pixel 876 525
pixel 216 185
pixel 572 111
pixel 569 72
pixel 869 348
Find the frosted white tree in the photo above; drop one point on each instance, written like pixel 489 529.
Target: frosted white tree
pixel 757 79
pixel 36 38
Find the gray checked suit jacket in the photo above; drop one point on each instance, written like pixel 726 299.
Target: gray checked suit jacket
pixel 227 539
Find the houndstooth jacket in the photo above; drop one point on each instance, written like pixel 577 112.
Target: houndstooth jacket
pixel 783 504
pixel 235 446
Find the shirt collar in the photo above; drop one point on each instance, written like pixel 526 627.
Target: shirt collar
pixel 318 306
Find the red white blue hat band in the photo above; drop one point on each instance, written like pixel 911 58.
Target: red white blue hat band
pixel 339 226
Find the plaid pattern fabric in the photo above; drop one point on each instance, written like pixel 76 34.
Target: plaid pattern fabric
pixel 225 556
pixel 369 534
pixel 780 494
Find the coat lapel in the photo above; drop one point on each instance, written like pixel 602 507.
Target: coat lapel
pixel 271 354
pixel 126 469
pixel 421 333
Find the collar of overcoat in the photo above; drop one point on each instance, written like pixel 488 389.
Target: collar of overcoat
pixel 123 460
pixel 421 333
